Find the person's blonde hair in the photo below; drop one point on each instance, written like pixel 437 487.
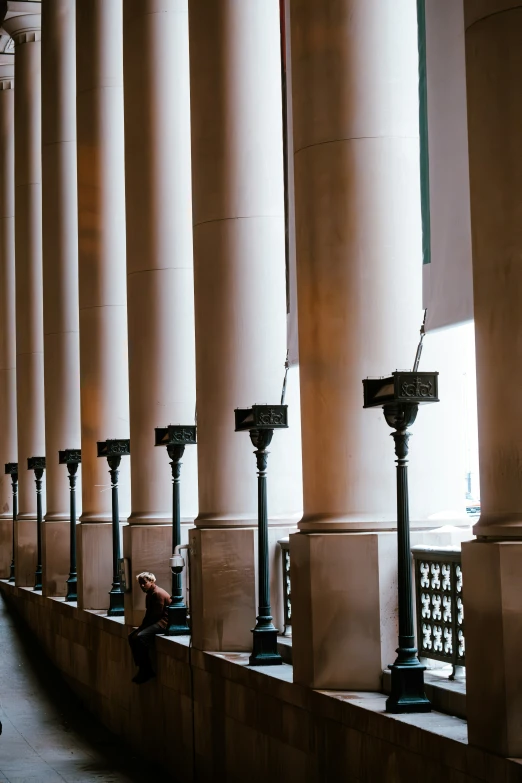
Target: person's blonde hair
pixel 145 575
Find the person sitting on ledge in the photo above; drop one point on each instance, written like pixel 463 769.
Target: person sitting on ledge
pixel 154 622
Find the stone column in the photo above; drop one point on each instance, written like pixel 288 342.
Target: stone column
pixel 8 446
pixel 26 32
pixel 102 281
pixel 359 263
pixel 492 565
pixel 160 286
pixel 239 277
pixel 60 280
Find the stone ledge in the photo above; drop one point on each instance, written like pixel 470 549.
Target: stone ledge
pixel 238 715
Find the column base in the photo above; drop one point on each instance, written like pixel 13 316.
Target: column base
pixel 6 547
pixel 55 557
pixel 148 548
pixel 407 689
pixel 344 606
pixel 25 552
pixel 94 548
pixel 493 586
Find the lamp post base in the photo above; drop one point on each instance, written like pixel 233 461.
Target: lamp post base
pixel 12 572
pixel 407 689
pixel 116 606
pixel 72 588
pixel 177 621
pixel 264 652
pixel 38 578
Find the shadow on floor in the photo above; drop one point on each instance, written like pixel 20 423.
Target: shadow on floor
pixel 48 736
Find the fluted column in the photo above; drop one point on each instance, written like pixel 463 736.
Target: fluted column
pixel 60 279
pixel 102 282
pixel 239 276
pixel 162 381
pixel 8 445
pixel 26 33
pixel 492 565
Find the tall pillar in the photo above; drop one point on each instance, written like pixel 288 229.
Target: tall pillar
pixel 8 446
pixel 358 245
pixel 162 377
pixel 239 281
pixel 26 33
pixel 102 283
pixel 492 565
pixel 60 280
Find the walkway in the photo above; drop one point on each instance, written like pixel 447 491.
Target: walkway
pixel 47 735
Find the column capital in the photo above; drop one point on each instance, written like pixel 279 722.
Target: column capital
pixel 26 28
pixel 6 72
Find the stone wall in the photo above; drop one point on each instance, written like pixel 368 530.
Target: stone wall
pixel 240 724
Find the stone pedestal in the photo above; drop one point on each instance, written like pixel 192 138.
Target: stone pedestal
pixel 344 605
pixel 55 556
pixel 492 578
pixel 344 608
pixel 94 557
pixel 25 552
pixel 6 546
pixel 223 586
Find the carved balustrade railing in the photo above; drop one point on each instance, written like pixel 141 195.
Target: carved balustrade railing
pixel 287 585
pixel 440 609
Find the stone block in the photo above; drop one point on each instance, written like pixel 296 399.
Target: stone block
pixel 25 552
pixel 6 546
pixel 94 544
pixel 55 557
pixel 492 575
pixel 223 592
pixel 224 586
pixel 344 610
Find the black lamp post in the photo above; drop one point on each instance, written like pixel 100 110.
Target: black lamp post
pixel 37 464
pixel 72 458
pixel 261 421
pixel 175 437
pixel 399 396
pixel 11 469
pixel 114 450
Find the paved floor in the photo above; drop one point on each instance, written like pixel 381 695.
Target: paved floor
pixel 47 736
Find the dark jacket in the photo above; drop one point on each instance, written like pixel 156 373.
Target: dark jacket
pixel 156 601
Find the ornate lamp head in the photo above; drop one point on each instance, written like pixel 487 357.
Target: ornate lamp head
pixel 261 417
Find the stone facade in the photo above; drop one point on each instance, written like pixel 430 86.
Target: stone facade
pixel 235 723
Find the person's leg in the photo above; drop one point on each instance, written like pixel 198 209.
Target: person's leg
pixel 135 646
pixel 140 646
